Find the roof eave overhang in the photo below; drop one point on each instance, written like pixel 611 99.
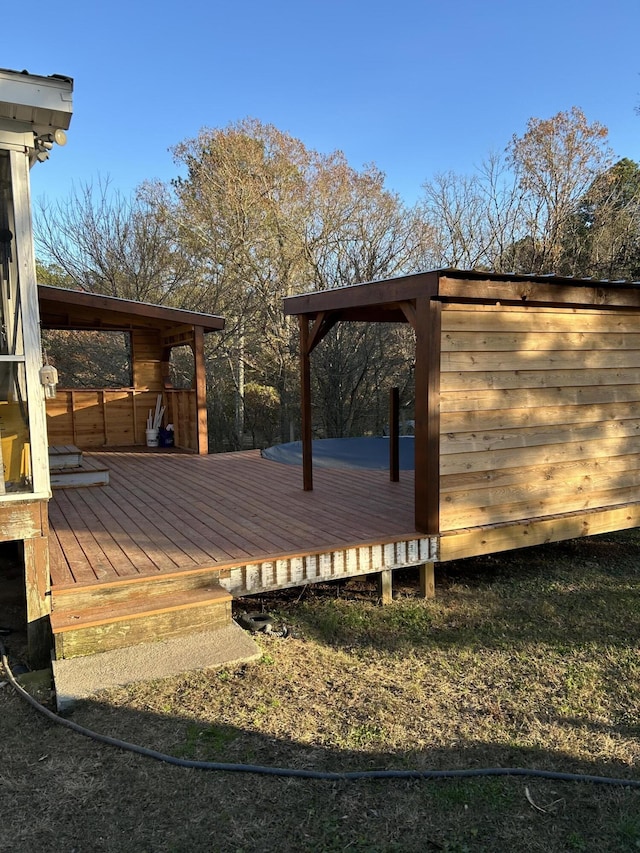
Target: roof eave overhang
pixel 54 300
pixel 382 300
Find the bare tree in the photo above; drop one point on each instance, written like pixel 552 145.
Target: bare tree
pixel 555 162
pixel 472 219
pixel 101 242
pixel 270 217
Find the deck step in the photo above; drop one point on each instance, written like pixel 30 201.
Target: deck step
pixel 85 474
pixel 114 593
pixel 64 456
pixel 141 619
pixel 69 469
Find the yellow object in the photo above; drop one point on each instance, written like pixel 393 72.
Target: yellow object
pixel 16 453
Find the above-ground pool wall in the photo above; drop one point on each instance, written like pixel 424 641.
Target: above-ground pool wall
pixel 539 417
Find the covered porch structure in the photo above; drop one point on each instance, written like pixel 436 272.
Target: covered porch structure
pixel 116 417
pixel 527 403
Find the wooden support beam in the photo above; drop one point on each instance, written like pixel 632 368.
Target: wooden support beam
pixel 179 336
pixel 103 406
pixel 409 310
pixel 385 586
pixel 315 330
pixel 394 435
pixel 305 400
pixel 165 366
pixel 200 381
pixel 427 580
pixel 323 324
pixel 427 416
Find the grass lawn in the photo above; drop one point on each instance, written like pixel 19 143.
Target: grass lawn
pixel 525 659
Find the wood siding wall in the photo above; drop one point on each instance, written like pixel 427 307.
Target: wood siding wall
pixel 104 417
pixel 540 412
pixel 146 358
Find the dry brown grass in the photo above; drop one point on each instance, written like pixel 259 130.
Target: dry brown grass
pixel 527 659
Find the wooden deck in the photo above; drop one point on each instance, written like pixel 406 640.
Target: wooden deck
pixel 241 518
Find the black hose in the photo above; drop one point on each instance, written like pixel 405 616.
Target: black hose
pixel 289 772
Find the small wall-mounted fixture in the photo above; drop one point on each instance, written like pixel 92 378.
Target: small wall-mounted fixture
pixel 49 380
pixel 44 143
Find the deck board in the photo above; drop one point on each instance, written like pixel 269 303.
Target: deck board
pixel 163 513
pixel 166 527
pixel 186 519
pixel 189 519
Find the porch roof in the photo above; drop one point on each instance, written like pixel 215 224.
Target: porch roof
pixel 387 300
pixel 61 308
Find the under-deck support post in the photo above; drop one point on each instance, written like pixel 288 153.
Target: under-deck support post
pixel 427 582
pixel 305 388
pixel 36 574
pixel 385 586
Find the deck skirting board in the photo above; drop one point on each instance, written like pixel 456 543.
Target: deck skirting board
pixel 491 539
pixel 298 570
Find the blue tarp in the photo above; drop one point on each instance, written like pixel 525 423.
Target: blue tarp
pixel 345 453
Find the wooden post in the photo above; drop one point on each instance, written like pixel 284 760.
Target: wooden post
pixel 200 381
pixel 36 573
pixel 394 435
pixel 427 581
pixel 427 416
pixel 135 416
pixel 385 586
pixel 305 388
pixel 104 416
pixel 165 367
pixel 73 418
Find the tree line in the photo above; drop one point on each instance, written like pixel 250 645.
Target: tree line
pixel 254 215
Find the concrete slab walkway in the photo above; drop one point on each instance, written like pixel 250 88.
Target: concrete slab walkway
pixel 81 677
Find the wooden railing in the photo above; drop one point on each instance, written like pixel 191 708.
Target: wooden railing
pixel 117 417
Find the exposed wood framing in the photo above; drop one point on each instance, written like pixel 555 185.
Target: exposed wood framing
pixel 27 522
pixel 409 311
pixel 526 404
pixel 180 336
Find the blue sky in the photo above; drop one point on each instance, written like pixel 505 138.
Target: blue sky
pixel 414 87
